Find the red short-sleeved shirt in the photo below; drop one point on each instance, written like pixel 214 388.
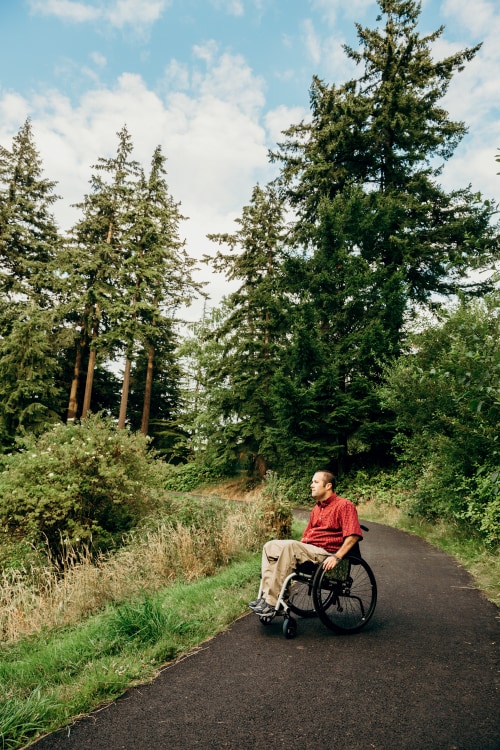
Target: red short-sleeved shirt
pixel 330 522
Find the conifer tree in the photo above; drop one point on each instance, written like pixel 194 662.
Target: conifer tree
pixel 29 238
pixel 155 276
pixel 30 335
pixel 382 236
pixel 96 252
pixel 253 331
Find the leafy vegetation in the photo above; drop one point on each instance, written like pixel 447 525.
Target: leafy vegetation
pixel 71 305
pixel 324 303
pixel 445 394
pixel 79 484
pixel 77 635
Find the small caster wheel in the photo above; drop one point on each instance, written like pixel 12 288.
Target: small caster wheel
pixel 265 620
pixel 289 628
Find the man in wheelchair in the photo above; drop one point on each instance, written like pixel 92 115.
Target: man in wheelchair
pixel 332 532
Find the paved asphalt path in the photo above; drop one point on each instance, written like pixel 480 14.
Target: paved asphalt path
pixel 422 675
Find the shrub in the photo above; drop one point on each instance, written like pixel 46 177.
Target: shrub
pixel 190 476
pixel 79 483
pixel 483 503
pixel 274 509
pixel 446 398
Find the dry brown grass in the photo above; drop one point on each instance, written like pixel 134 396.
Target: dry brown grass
pixel 46 596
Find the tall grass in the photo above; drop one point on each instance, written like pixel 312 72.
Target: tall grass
pixel 42 595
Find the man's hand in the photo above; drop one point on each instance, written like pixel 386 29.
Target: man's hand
pixel 347 545
pixel 330 562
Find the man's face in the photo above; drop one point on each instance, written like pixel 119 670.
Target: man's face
pixel 319 490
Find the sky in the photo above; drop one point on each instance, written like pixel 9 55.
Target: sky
pixel 214 83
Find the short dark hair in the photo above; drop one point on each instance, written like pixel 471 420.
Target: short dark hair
pixel 328 477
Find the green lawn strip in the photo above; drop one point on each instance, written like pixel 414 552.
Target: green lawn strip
pixel 48 680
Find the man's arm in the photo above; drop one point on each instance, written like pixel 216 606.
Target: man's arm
pixel 347 545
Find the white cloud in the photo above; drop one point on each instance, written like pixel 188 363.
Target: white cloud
pixel 14 109
pixel 331 9
pixel 280 119
pixel 132 12
pixel 479 17
pixel 232 7
pixel 98 59
pixel 231 80
pixel 138 14
pixel 326 52
pixel 206 52
pixel 66 10
pixel 312 42
pixel 211 128
pixel 176 76
pixel 474 94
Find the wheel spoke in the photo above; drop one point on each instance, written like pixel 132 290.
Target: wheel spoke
pixel 346 606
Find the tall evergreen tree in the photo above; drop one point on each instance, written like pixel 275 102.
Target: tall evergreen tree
pixel 381 235
pixel 156 278
pixel 96 252
pixel 30 335
pixel 253 332
pixel 29 237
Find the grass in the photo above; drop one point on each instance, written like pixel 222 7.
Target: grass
pixel 35 595
pixel 77 637
pixel 50 678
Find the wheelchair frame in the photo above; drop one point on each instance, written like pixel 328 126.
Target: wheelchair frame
pixel 344 598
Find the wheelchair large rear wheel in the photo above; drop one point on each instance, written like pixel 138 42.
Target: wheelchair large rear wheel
pixel 345 606
pixel 300 598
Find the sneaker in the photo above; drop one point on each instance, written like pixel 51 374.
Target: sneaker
pixel 257 603
pixel 264 609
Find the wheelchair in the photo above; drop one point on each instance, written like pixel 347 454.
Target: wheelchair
pixel 344 598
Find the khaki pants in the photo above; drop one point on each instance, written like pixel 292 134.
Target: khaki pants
pixel 280 558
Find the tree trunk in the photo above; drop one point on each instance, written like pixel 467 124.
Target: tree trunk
pixel 73 395
pixel 93 353
pixel 125 391
pixel 147 392
pixel 90 369
pixel 128 364
pixel 89 383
